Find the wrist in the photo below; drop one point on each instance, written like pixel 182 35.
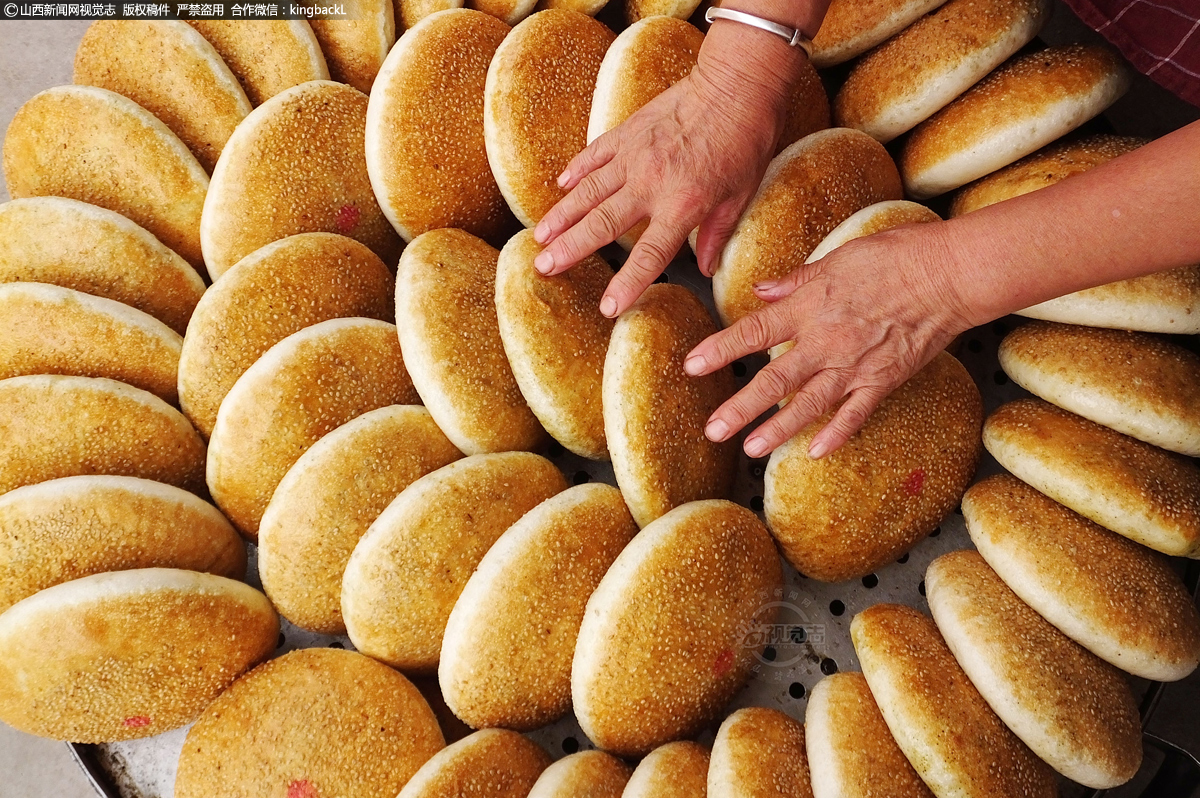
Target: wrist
pixel 803 15
pixel 941 279
pixel 739 64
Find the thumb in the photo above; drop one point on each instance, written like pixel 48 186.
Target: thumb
pixel 715 232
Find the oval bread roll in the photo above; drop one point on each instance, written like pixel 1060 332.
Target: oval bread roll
pixel 851 27
pixel 266 56
pixel 587 774
pixel 409 12
pixel 759 752
pixel 493 762
pixel 674 770
pixel 636 10
pixel 356 45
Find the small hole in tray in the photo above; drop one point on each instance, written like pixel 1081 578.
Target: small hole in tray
pixel 281 642
pixel 570 745
pixel 828 667
pixel 837 608
pixel 337 644
pixel 662 278
pixel 1000 328
pixel 769 653
pixel 756 504
pixel 903 558
pixel 556 449
pixel 1000 378
pixel 870 580
pixel 796 690
pixel 739 368
pixel 975 345
pixel 757 471
pixel 921 587
pixel 581 477
pixel 935 532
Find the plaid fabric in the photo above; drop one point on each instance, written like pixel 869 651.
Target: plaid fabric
pixel 1161 38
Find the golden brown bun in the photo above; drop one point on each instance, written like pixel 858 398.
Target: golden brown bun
pixel 314 722
pixel 911 76
pixel 843 516
pixel 1134 489
pixel 510 12
pixel 424 139
pixel 851 751
pixel 589 7
pixel 538 98
pixel 654 413
pixel 1043 168
pixel 492 763
pixel 1137 384
pixel 445 522
pixel 45 329
pixel 506 654
pixel 759 752
pixel 270 294
pixel 1071 708
pixel 356 46
pixel 640 9
pixel 871 220
pixel 1116 598
pixel 170 70
pixel 302 388
pixel 69 528
pixel 90 249
pixel 328 499
pixel 556 339
pixel 266 188
pixel 450 334
pixel 674 770
pixel 130 654
pixel 409 12
pixel 56 426
pixel 664 643
pixel 851 27
pixel 267 57
pixel 809 189
pixel 98 147
pixel 922 692
pixel 588 774
pixel 1022 106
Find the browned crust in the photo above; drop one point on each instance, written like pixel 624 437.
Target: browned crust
pixel 266 56
pixel 851 27
pixel 356 46
pixel 845 515
pixel 674 770
pixel 588 774
pixel 270 294
pixel 809 110
pixel 312 722
pixel 493 763
pixel 640 9
pixel 759 752
pixel 663 54
pixel 98 147
pixel 409 12
pixel 1045 167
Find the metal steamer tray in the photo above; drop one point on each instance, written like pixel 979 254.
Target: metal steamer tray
pixel 810 639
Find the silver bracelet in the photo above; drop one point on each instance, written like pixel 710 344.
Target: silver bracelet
pixel 793 36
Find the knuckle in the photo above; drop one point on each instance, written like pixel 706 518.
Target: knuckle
pixel 773 383
pixel 753 331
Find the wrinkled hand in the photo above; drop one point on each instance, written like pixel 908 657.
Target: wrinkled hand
pixel 693 156
pixel 865 318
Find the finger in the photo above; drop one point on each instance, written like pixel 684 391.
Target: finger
pixel 848 420
pixel 650 257
pixel 585 197
pixel 756 332
pixel 775 290
pixel 810 403
pixel 714 234
pixel 602 226
pixel 594 155
pixel 775 381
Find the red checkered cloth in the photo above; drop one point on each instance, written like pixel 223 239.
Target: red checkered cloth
pixel 1161 38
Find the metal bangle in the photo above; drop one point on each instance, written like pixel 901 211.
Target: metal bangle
pixel 792 36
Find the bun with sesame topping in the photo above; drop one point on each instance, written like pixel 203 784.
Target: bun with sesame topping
pixel 593 774
pixel 674 770
pixel 851 27
pixel 759 751
pixel 636 10
pixel 267 58
pixel 492 763
pixel 356 45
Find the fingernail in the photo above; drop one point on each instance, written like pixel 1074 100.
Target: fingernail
pixel 541 232
pixel 717 430
pixel 818 449
pixel 564 178
pixel 608 306
pixel 756 447
pixel 766 285
pixel 544 262
pixel 694 365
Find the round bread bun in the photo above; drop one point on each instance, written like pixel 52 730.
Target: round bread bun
pixel 1137 384
pixel 510 12
pixel 409 12
pixel 330 497
pixel 636 10
pixel 1119 600
pixel 45 329
pixel 808 190
pixel 589 7
pixel 68 528
pixel 1071 708
pixel 851 27
pixel 1043 168
pixel 845 515
pixel 270 294
pixel 304 387
pixel 266 58
pixel 1165 302
pixel 98 147
pixel 506 654
pixel 759 752
pixel 587 774
pixel 314 722
pixel 266 188
pixel 443 523
pixel 668 636
pixel 654 413
pixel 424 139
pixel 556 339
pixel 170 70
pixel 119 656
pixel 1134 489
pixel 356 46
pixel 1025 104
pixel 920 71
pixel 851 751
pixel 871 220
pixel 90 249
pixel 537 103
pixel 674 770
pixel 450 335
pixel 54 426
pixel 922 692
pixel 492 763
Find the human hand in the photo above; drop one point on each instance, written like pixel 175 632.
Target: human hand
pixel 865 318
pixel 693 156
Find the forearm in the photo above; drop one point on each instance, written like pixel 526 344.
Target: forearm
pixel 1135 215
